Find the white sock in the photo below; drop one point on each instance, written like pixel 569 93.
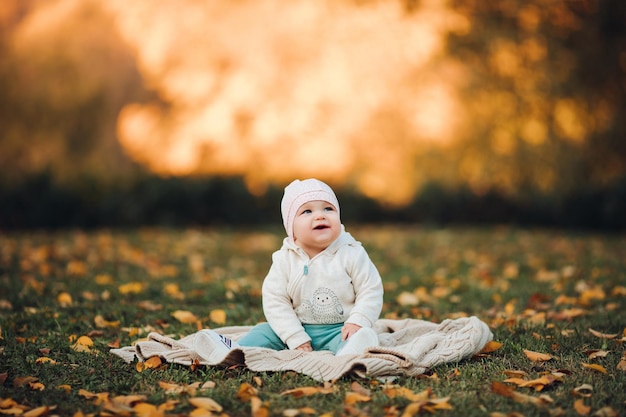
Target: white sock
pixel 358 342
pixel 212 346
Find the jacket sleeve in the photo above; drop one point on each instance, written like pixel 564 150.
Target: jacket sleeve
pixel 368 288
pixel 277 304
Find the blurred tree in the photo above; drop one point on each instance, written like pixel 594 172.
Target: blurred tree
pixel 64 77
pixel 547 94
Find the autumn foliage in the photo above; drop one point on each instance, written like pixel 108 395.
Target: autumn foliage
pixel 554 301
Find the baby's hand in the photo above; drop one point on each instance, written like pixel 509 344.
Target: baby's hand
pixel 348 330
pixel 305 347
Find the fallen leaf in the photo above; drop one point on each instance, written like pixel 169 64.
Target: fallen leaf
pixel 538 384
pixel 259 408
pixel 307 391
pixel 584 390
pixel 83 344
pixel 515 374
pixel 147 410
pixel 491 346
pixel 64 299
pixel 622 363
pixel 22 381
pixel 596 353
pixel 39 411
pixel 101 323
pixel 45 359
pixel 355 397
pixel 581 408
pixel 184 316
pixel 595 367
pixel 536 356
pixel 150 363
pixel 360 389
pixel 506 391
pixel 206 403
pixel 606 412
pixel 603 335
pixel 246 392
pixel 218 316
pixel 131 288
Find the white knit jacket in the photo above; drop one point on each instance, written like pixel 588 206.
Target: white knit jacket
pixel 340 284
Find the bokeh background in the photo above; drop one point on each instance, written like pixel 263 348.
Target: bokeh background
pixel 198 112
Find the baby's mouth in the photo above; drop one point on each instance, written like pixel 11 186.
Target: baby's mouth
pixel 320 227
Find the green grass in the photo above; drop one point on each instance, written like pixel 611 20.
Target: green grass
pixel 523 283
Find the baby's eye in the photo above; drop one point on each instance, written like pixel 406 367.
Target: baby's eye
pixel 307 211
pixel 329 208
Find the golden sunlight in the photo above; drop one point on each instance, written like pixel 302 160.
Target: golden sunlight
pixel 244 92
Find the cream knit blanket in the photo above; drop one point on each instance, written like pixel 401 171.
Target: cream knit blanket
pixel 408 347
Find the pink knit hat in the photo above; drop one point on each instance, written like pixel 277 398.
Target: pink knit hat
pixel 299 192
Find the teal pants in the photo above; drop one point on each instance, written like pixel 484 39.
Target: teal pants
pixel 323 337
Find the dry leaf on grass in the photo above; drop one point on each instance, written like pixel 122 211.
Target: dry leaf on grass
pixel 603 335
pixel 537 356
pixel 595 367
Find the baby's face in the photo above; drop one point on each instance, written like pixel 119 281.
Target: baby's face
pixel 316 226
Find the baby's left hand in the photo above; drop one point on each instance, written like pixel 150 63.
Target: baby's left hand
pixel 348 330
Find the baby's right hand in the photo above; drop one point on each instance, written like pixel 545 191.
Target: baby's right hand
pixel 305 347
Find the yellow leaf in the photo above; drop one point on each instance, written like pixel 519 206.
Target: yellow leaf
pixel 594 367
pixel 218 316
pixel 131 288
pixel 581 408
pixel 170 388
pixel 83 344
pixel 205 403
pixel 45 360
pixel 104 279
pixel 101 323
pixel 536 356
pixel 173 290
pixel 184 316
pixel 64 299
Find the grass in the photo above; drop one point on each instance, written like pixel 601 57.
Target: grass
pixel 538 290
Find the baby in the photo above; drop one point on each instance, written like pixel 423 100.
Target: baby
pixel 322 291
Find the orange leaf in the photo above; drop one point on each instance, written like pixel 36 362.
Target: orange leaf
pixel 246 392
pixel 152 362
pixel 83 344
pixel 131 288
pixel 39 411
pixel 595 367
pixel 147 410
pixel 491 346
pixel 259 408
pixel 355 397
pixel 64 299
pixel 622 363
pixel 536 356
pixel 307 391
pixel 581 408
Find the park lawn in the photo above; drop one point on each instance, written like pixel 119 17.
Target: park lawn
pixel 555 302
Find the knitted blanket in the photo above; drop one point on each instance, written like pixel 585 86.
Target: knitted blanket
pixel 408 346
